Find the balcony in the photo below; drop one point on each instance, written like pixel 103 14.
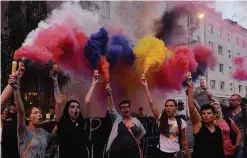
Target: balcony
pixel 193 42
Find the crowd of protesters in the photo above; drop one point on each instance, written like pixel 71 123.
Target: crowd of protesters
pixel 219 130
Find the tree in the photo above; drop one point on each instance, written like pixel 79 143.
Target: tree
pixel 21 17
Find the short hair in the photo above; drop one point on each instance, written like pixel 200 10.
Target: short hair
pixel 207 107
pixel 124 102
pixel 237 95
pixel 29 110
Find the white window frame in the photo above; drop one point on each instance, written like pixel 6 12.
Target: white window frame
pixel 222 85
pixel 106 9
pixel 220 49
pixel 211 45
pixel 240 88
pixel 210 28
pixel 221 70
pixel 124 15
pixel 198 38
pixel 212 84
pixel 219 32
pixel 237 41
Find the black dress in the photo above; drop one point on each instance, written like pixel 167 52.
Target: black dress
pixel 124 145
pixel 71 138
pixel 207 144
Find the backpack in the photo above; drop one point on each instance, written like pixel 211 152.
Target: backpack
pixel 232 134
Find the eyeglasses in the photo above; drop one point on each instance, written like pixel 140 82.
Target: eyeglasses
pixel 125 107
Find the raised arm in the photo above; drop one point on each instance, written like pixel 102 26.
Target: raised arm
pixel 6 94
pixel 8 91
pixel 193 115
pixel 208 93
pixel 58 99
pixel 15 84
pixel 150 101
pixel 197 106
pixel 90 91
pixel 110 103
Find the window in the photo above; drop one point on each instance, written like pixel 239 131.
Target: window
pixel 240 88
pixel 123 15
pixel 229 37
pixel 89 6
pixel 231 87
pixel 237 40
pixel 220 50
pixel 212 84
pixel 238 54
pixel 105 9
pixel 210 45
pixel 222 85
pixel 221 66
pixel 230 69
pixel 210 28
pixel 198 38
pixel 229 53
pixel 219 32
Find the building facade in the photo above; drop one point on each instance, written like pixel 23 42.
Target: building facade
pixel 224 37
pixel 228 40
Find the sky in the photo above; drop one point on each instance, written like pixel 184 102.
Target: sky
pixel 235 10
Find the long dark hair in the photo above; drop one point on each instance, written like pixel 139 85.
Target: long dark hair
pixel 164 128
pixel 66 109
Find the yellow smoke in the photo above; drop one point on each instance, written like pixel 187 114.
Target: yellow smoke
pixel 150 53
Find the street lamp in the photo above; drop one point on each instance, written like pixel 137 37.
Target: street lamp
pixel 201 15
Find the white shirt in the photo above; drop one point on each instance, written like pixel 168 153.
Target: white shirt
pixel 170 144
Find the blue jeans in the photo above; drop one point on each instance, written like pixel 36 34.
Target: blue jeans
pixel 239 150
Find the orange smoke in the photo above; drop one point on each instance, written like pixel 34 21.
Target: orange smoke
pixel 104 68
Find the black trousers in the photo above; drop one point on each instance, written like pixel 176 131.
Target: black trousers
pixel 161 154
pixel 125 153
pixel 231 156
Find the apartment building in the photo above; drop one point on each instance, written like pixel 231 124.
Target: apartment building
pixel 228 40
pixel 224 37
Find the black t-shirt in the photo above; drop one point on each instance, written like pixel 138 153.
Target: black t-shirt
pixel 207 144
pixel 71 138
pixel 9 138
